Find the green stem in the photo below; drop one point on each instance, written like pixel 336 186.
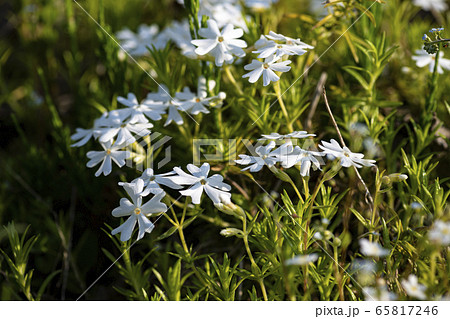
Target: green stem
pixel 252 260
pixel 431 103
pixel 232 80
pixel 283 107
pixel 433 257
pixel 297 191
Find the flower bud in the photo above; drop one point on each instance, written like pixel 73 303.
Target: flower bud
pixel 228 232
pixel 280 174
pixel 231 209
pixel 192 6
pixel 394 178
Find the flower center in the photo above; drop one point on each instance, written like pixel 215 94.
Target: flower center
pixel 152 178
pixel 279 46
pixel 289 42
pixel 197 100
pixel 108 151
pixel 346 154
pixel 265 65
pixel 203 181
pixel 137 211
pixel 220 39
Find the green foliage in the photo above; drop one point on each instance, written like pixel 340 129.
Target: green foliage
pixel 59 70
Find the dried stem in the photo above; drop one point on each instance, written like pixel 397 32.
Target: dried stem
pixel 369 198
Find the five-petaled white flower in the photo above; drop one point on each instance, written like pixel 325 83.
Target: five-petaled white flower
pixel 179 33
pixel 84 135
pixel 259 4
pixel 347 157
pixel 265 156
pixel 301 260
pixel 440 233
pixel 137 211
pixel 429 5
pixel 124 130
pixel 413 288
pixel 196 103
pixel 298 156
pixel 153 182
pixel 267 69
pixel 288 47
pixel 170 105
pixel 136 43
pixel 199 181
pixel 372 249
pixel 222 45
pixel 137 112
pixel 423 59
pixel 289 41
pixel 111 152
pixel 380 293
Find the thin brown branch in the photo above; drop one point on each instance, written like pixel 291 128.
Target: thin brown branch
pixel 368 196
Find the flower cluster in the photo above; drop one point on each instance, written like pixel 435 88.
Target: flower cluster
pixel 222 12
pixel 148 183
pixel 289 155
pixel 274 48
pixel 117 129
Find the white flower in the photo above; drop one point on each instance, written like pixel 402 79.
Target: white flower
pixel 301 260
pixel 122 129
pixel 289 41
pixel 372 249
pixel 378 294
pixel 278 50
pixel 267 69
pixel 222 45
pixel 276 136
pixel 136 112
pixel 413 288
pixel 265 157
pixel 299 156
pixel 347 157
pixel 423 59
pixel 179 33
pixel 84 135
pixel 169 104
pixel 195 103
pixel 162 95
pixel 429 5
pixel 224 12
pixel 259 4
pixel 440 233
pixel 136 44
pixel 199 181
pixel 137 211
pixel 110 153
pixel 153 182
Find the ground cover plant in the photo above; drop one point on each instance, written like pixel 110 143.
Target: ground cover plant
pixel 224 150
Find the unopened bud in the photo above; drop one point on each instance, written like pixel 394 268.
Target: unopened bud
pixel 280 174
pixel 394 178
pixel 231 209
pixel 228 232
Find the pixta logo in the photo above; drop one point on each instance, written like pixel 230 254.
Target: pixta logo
pixel 144 151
